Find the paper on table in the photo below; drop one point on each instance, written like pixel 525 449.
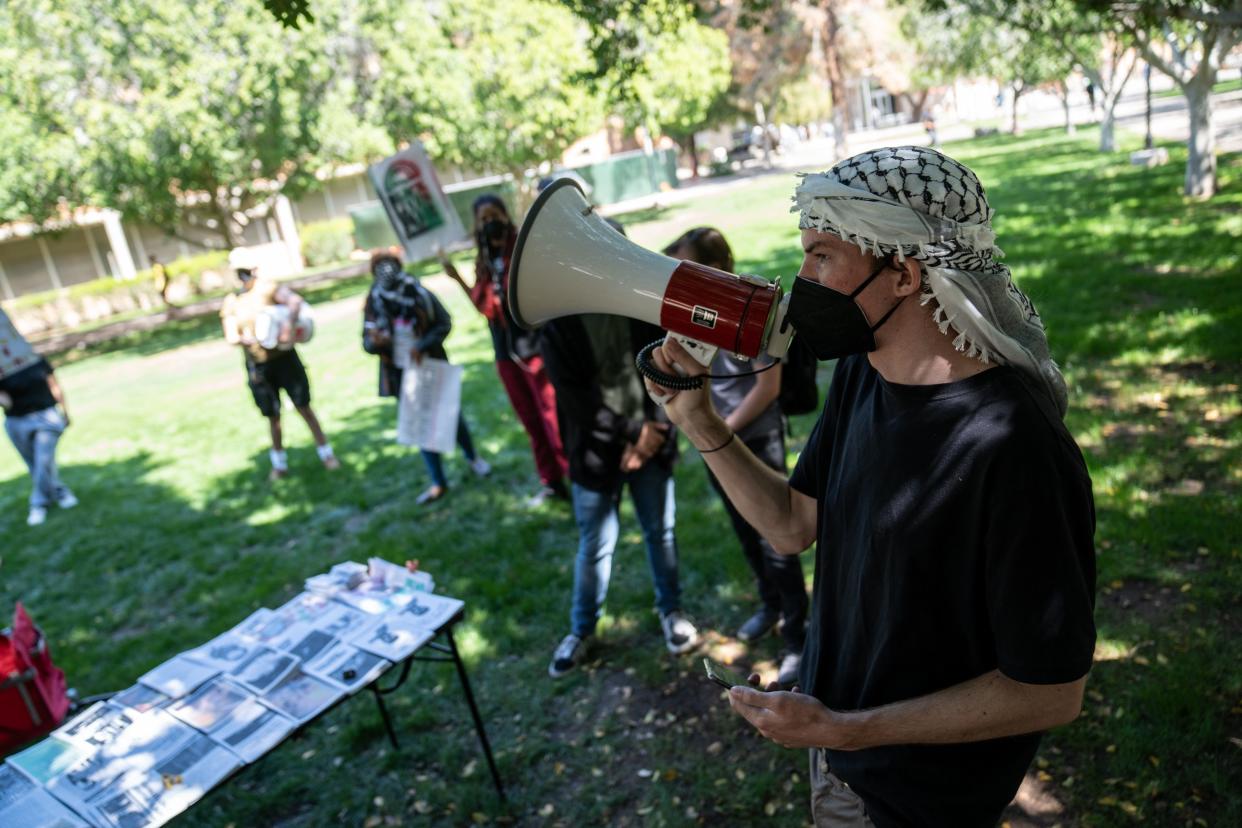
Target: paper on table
pixel 347 667
pixel 431 611
pixel 178 676
pixel 44 761
pixel 265 668
pixel 207 706
pixel 394 638
pixel 36 809
pixel 301 697
pixel 151 799
pixel 140 698
pixel 252 729
pixel 429 405
pixel 100 724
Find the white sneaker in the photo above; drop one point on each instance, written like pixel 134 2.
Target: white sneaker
pixel 569 654
pixel 67 500
pixel 37 516
pixel 679 634
pixel 480 467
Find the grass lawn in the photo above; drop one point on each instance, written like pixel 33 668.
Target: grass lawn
pixel 179 537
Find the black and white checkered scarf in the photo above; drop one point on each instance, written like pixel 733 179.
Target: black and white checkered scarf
pixel 917 202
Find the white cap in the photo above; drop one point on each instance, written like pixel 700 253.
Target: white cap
pixel 243 258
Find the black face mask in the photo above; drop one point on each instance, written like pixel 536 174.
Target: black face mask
pixel 494 231
pixel 386 272
pixel 245 276
pixel 831 322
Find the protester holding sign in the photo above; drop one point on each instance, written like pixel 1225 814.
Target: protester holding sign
pixel 749 403
pixel 263 320
pixel 404 323
pixel 517 355
pixel 35 417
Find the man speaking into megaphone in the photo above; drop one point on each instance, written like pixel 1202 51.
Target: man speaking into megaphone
pixel 954 579
pixel 954 582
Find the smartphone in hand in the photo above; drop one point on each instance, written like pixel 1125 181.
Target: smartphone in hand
pixel 725 677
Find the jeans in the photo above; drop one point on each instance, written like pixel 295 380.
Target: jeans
pixel 779 578
pixel 35 436
pixel 435 467
pixel 598 517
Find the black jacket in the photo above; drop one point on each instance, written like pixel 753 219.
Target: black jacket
pixel 594 435
pixel 408 301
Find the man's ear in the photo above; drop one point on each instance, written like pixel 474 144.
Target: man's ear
pixel 909 276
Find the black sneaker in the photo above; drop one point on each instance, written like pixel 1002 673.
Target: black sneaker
pixel 569 654
pixel 758 625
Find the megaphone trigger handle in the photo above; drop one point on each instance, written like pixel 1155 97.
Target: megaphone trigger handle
pixel 647 368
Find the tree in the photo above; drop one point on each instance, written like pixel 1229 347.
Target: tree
pixel 679 83
pixel 178 114
pixel 1187 40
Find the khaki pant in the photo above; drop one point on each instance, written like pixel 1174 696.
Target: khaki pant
pixel 833 804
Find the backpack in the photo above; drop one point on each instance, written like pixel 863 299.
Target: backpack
pixel 33 698
pixel 799 393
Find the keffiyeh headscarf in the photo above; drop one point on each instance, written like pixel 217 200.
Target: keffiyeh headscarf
pixel 916 202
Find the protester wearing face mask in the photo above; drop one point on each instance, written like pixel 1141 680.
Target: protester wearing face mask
pixel 401 313
pixel 955 570
pixel 517 356
pixel 271 367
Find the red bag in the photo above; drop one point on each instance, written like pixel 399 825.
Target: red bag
pixel 33 699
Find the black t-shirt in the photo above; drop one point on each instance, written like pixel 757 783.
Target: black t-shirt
pixel 29 389
pixel 955 537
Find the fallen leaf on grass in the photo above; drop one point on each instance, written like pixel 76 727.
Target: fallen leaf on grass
pixel 558 768
pixel 1236 741
pixel 479 818
pixel 714 748
pixel 422 807
pixel 546 810
pixel 468 770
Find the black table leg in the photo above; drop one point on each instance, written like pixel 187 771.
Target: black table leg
pixel 474 711
pixel 383 709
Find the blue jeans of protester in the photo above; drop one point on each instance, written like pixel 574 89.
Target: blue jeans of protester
pixel 598 517
pixel 433 461
pixel 35 435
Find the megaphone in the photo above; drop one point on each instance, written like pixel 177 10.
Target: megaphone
pixel 569 260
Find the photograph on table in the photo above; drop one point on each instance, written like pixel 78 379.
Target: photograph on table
pixel 395 637
pixel 178 676
pixel 301 697
pixel 347 667
pixel 44 761
pixel 252 729
pixel 100 724
pixel 207 706
pixel 140 698
pixel 265 668
pixel 25 804
pixel 431 611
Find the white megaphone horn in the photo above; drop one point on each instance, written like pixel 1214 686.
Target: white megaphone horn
pixel 569 260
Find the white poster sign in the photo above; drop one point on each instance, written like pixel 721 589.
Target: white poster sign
pixel 429 406
pixel 15 351
pixel 420 212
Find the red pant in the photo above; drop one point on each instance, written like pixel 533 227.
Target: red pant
pixel 534 400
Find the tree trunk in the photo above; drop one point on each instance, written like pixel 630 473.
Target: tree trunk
pixel 836 83
pixel 1017 93
pixel 1201 161
pixel 224 214
pixel 1063 94
pixel 692 150
pixel 1108 139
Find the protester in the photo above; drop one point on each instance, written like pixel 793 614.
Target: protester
pixel 615 437
pixel 270 370
pixel 35 415
pixel 517 357
pixel 749 403
pixel 400 310
pixel 955 574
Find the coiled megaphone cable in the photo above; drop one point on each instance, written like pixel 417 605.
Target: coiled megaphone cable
pixel 647 368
